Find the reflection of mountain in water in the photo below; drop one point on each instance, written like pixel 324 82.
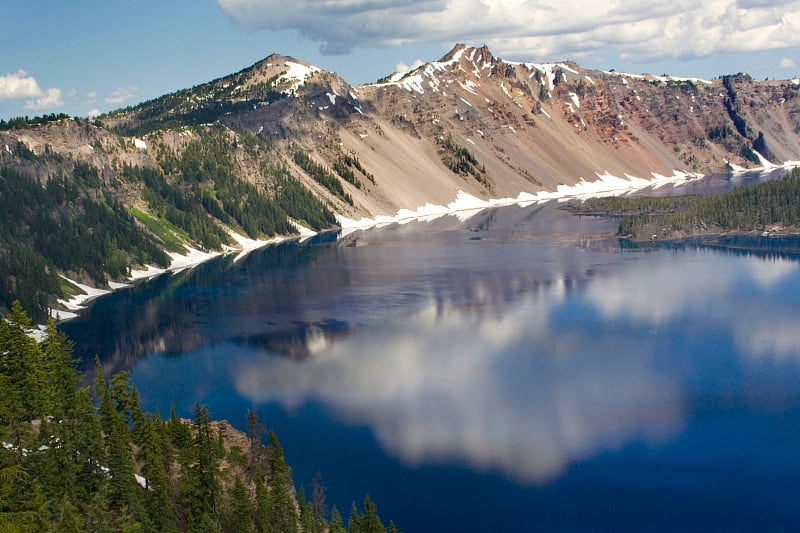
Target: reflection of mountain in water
pixel 300 341
pixel 538 345
pixel 761 246
pixel 281 295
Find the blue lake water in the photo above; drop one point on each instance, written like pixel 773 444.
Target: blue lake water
pixel 520 370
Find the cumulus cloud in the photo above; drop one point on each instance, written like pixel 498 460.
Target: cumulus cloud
pixel 402 67
pixel 121 95
pixel 639 30
pixel 93 113
pixel 18 85
pixel 51 99
pixel 786 63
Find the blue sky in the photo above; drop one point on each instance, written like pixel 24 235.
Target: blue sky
pixel 81 57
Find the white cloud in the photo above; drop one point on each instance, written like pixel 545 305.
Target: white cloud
pixel 786 63
pixel 18 85
pixel 49 100
pixel 639 30
pixel 402 67
pixel 92 113
pixel 121 95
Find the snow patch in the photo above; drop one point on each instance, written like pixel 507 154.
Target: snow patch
pixel 332 98
pixel 734 167
pixel 297 74
pixel 468 86
pixel 604 185
pixel 139 144
pixel 763 160
pixel 575 99
pixel 78 302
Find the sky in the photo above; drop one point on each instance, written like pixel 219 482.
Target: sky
pixel 87 57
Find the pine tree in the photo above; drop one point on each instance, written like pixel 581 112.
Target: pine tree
pixel 201 489
pixel 307 522
pixel 318 505
pixel 158 500
pixel 281 514
pixel 255 430
pixel 336 525
pixel 21 363
pixel 241 509
pixel 122 484
pixel 355 524
pixel 372 522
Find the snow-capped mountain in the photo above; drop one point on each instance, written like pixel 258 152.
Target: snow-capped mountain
pixel 288 141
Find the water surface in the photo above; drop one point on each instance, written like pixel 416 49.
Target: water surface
pixel 519 370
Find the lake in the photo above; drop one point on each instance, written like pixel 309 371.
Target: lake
pixel 517 370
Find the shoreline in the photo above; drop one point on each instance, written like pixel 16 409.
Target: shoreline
pixel 463 206
pixel 192 258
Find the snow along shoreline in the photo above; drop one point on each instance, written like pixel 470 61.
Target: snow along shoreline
pixel 179 262
pixel 464 206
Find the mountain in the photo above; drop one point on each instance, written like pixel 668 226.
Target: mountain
pixel 283 143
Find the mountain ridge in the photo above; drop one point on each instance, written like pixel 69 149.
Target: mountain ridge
pixel 283 142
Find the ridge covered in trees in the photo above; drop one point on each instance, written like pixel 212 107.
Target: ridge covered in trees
pixel 96 224
pixel 87 459
pixel 756 208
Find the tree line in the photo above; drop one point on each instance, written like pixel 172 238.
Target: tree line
pixel 83 223
pixel 750 208
pixel 87 459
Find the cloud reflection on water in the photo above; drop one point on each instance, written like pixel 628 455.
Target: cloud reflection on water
pixel 663 288
pixel 499 391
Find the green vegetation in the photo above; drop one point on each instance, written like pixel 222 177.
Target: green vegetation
pixel 26 122
pixel 68 225
pixel 301 203
pixel 321 175
pixel 172 237
pixel 752 208
pixel 83 223
pixel 344 165
pixel 201 104
pixel 69 463
pixel 461 161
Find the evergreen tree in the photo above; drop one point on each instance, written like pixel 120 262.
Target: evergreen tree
pixel 336 525
pixel 355 524
pixel 23 367
pixel 372 522
pixel 201 489
pixel 318 501
pixel 281 513
pixel 241 509
pixel 256 457
pixel 307 522
pixel 158 499
pixel 122 485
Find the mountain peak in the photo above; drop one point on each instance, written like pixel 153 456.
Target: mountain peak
pixel 460 50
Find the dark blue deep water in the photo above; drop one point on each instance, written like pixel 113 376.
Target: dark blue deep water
pixel 520 370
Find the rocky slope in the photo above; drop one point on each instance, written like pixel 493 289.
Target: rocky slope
pixel 287 141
